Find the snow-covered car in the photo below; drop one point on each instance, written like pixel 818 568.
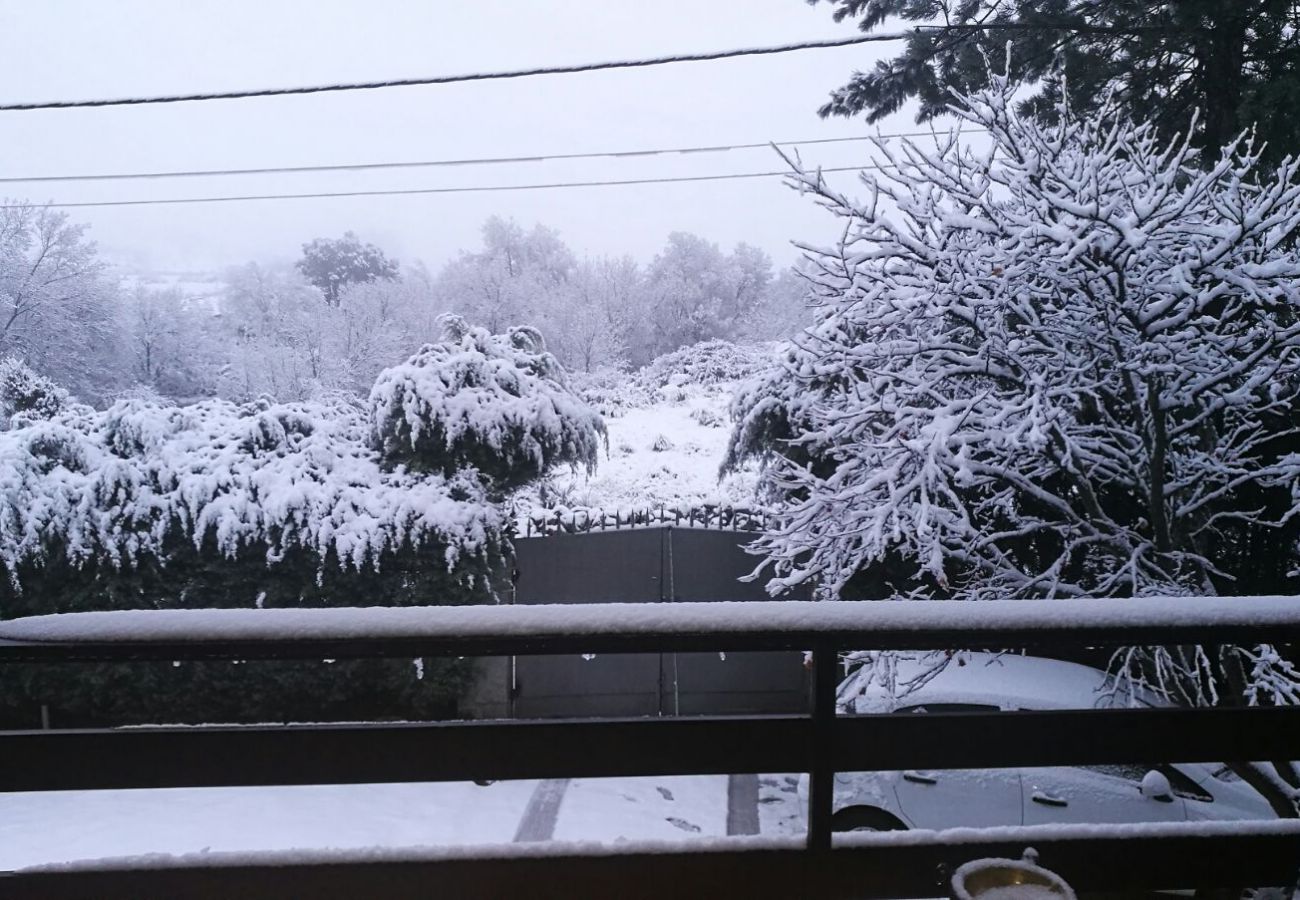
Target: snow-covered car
pixel 1161 792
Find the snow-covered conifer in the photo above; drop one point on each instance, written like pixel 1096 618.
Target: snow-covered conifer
pixel 27 394
pixel 496 403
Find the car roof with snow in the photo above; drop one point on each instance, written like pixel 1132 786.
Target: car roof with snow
pixel 1005 680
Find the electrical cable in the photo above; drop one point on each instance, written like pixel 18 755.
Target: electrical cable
pixel 473 76
pixel 471 189
pixel 593 67
pixel 490 160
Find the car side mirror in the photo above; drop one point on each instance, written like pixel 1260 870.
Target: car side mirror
pixel 1156 786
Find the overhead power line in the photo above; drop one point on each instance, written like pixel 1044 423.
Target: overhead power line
pixel 473 161
pixel 883 36
pixel 473 76
pixel 474 189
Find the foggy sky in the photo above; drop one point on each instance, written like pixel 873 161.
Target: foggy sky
pixel 73 49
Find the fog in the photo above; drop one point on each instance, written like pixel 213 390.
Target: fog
pixel 73 50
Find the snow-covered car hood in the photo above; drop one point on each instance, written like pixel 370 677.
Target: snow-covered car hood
pixel 1005 680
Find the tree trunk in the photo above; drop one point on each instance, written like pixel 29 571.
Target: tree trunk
pixel 1223 74
pixel 1159 448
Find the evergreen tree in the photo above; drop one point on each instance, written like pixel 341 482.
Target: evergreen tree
pixel 1238 61
pixel 495 404
pixel 331 265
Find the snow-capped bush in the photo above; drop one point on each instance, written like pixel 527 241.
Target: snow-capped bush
pixel 495 403
pixel 609 391
pixel 139 482
pixel 661 443
pixel 712 365
pixel 27 394
pixel 708 417
pixel 1064 365
pixel 706 363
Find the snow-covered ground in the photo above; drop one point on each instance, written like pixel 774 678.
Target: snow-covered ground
pixel 611 809
pixel 49 827
pixel 666 453
pixel 198 289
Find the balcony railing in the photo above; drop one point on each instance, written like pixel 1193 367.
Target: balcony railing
pixel 896 864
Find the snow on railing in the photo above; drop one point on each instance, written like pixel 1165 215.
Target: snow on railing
pixel 773 624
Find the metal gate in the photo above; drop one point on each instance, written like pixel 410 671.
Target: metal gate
pixel 647 565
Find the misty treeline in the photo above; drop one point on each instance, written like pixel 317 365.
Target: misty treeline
pixel 344 312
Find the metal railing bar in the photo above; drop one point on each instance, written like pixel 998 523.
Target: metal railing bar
pixel 452 751
pixel 866 866
pixel 1233 855
pixel 1064 738
pixel 821 771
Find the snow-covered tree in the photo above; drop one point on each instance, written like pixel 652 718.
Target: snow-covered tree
pixel 375 326
pixel 332 265
pixel 278 340
pixel 698 293
pixel 170 348
pixel 1066 365
pixel 589 319
pixel 57 311
pixel 783 308
pixel 1234 59
pixel 510 280
pixel 271 331
pixel 498 404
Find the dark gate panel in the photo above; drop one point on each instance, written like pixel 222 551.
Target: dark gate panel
pixel 605 685
pixel 597 567
pixel 707 565
pixel 737 683
pixel 647 565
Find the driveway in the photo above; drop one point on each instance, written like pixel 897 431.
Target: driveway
pixel 50 827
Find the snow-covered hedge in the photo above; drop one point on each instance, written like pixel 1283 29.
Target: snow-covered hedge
pixel 112 488
pixel 709 365
pixel 497 403
pixel 150 506
pixel 706 364
pixel 219 504
pixel 609 391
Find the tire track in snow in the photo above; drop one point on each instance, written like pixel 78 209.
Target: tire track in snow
pixel 742 804
pixel 538 821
